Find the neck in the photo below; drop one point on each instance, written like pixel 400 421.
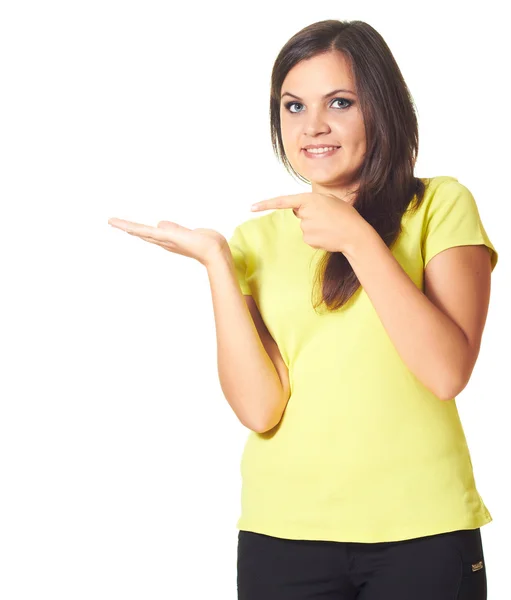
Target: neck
pixel 347 194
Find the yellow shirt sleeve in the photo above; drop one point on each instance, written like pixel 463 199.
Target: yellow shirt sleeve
pixel 239 251
pixel 452 219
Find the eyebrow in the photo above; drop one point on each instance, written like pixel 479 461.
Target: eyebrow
pixel 324 97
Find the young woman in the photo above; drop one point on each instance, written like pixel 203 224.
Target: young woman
pixel 348 319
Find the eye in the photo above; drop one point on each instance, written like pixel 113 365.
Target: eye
pixel 348 104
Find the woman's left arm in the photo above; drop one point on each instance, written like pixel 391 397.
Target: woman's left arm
pixel 437 332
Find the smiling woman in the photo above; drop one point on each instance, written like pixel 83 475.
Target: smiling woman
pixel 331 126
pixel 357 481
pixel 368 453
pixel 347 91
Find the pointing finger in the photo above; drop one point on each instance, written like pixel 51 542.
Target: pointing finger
pixel 278 202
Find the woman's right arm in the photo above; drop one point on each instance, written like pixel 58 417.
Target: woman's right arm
pixel 252 373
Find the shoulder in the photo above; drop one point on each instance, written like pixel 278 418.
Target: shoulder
pixel 448 198
pixel 440 185
pixel 440 195
pixel 450 217
pixel 443 188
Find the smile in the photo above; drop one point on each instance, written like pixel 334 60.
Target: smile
pixel 319 153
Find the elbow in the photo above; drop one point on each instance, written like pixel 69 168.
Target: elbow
pixel 460 373
pixel 255 427
pixel 449 381
pixel 451 388
pixel 261 429
pixel 264 426
pixel 446 396
pixel 261 425
pixel 274 416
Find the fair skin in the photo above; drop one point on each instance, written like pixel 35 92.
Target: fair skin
pixel 312 119
pixel 437 332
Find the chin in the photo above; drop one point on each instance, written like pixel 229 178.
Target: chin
pixel 325 177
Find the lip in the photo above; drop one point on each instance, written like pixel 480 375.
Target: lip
pixel 319 156
pixel 319 146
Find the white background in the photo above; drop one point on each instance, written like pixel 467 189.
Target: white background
pixel 119 455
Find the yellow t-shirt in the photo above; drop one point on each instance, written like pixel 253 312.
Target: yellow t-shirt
pixel 364 452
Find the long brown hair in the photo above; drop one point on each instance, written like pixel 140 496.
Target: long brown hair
pixel 387 181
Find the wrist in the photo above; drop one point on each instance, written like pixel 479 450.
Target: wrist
pixel 363 235
pixel 220 255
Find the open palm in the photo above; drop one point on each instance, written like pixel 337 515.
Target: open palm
pixel 201 244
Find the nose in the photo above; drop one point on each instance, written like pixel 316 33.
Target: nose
pixel 316 123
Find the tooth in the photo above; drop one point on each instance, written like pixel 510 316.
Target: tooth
pixel 321 150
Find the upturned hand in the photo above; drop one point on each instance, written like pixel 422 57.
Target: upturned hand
pixel 202 244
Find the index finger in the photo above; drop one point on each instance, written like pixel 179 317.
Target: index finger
pixel 278 202
pixel 138 228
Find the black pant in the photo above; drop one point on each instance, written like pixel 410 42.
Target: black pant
pixel 446 566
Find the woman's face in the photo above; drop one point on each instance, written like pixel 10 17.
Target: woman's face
pixel 307 117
